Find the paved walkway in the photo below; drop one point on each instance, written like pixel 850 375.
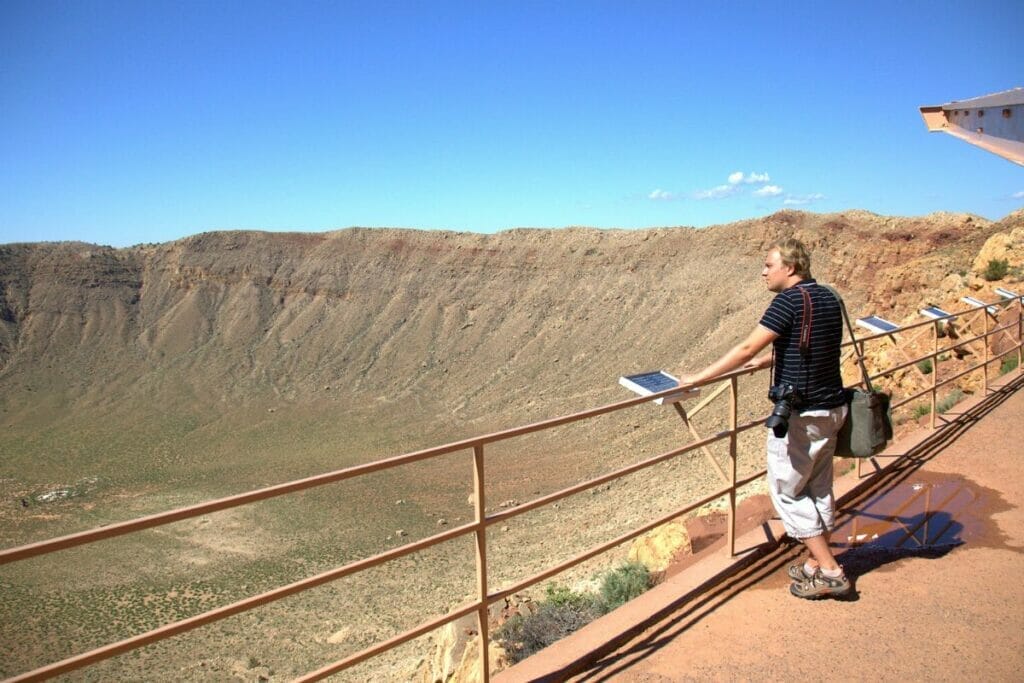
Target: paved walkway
pixel 935 547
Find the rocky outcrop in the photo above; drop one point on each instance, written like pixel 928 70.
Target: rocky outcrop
pixel 657 547
pixel 455 654
pixel 1004 246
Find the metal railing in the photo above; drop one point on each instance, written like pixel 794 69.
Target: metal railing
pixel 485 595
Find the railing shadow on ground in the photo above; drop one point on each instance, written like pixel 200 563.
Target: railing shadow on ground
pixel 675 618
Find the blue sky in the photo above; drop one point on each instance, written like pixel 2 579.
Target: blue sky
pixel 143 121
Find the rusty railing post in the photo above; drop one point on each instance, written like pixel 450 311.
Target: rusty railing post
pixel 1020 335
pixel 481 560
pixel 935 368
pixel 984 348
pixel 733 423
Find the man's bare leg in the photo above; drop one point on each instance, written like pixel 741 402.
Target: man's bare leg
pixel 821 553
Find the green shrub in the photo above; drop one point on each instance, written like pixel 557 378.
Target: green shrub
pixel 996 269
pixel 951 400
pixel 925 366
pixel 624 583
pixel 524 635
pixel 563 596
pixel 1009 365
pixel 922 409
pixel 564 610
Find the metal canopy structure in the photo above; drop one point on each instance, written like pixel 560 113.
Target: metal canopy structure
pixel 993 122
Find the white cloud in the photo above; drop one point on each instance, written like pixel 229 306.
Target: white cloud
pixel 738 177
pixel 803 199
pixel 735 183
pixel 1018 195
pixel 661 195
pixel 717 192
pixel 768 191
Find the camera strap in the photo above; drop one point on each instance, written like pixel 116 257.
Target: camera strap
pixel 805 326
pixel 805 338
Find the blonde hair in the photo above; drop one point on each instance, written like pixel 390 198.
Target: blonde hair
pixel 793 254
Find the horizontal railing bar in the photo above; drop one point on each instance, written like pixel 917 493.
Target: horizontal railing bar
pixel 922 323
pixel 107 651
pixel 388 644
pixel 176 515
pixel 955 377
pixel 139 524
pixel 902 402
pixel 1012 349
pixel 933 354
pixel 750 425
pixel 948 380
pixel 751 478
pixel 604 547
pixel 886 373
pixel 961 342
pixel 597 481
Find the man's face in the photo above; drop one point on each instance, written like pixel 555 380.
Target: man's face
pixel 775 274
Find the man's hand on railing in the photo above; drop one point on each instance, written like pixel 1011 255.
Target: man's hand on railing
pixel 760 362
pixel 741 355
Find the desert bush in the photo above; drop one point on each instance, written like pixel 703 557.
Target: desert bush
pixel 996 269
pixel 951 400
pixel 564 610
pixel 1009 365
pixel 524 635
pixel 922 409
pixel 563 596
pixel 624 583
pixel 925 366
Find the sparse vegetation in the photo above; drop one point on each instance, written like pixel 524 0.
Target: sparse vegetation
pixel 996 269
pixel 925 366
pixel 951 400
pixel 623 584
pixel 943 405
pixel 565 611
pixel 1009 365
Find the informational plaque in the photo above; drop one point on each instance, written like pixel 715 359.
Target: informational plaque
pixel 648 383
pixel 875 323
pixel 935 312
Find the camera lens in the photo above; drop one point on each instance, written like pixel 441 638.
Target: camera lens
pixel 778 421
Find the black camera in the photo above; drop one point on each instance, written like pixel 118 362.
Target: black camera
pixel 786 398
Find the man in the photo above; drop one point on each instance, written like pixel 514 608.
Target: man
pixel 800 462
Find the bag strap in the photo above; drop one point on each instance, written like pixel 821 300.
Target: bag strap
pixel 853 338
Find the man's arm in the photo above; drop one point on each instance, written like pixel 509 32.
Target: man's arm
pixel 736 357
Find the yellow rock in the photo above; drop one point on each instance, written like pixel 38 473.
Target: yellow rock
pixel 1008 246
pixel 657 547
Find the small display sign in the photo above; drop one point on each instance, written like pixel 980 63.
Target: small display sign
pixel 971 301
pixel 647 383
pixel 1007 294
pixel 876 324
pixel 934 312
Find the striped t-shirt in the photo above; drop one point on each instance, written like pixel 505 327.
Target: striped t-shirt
pixel 816 377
